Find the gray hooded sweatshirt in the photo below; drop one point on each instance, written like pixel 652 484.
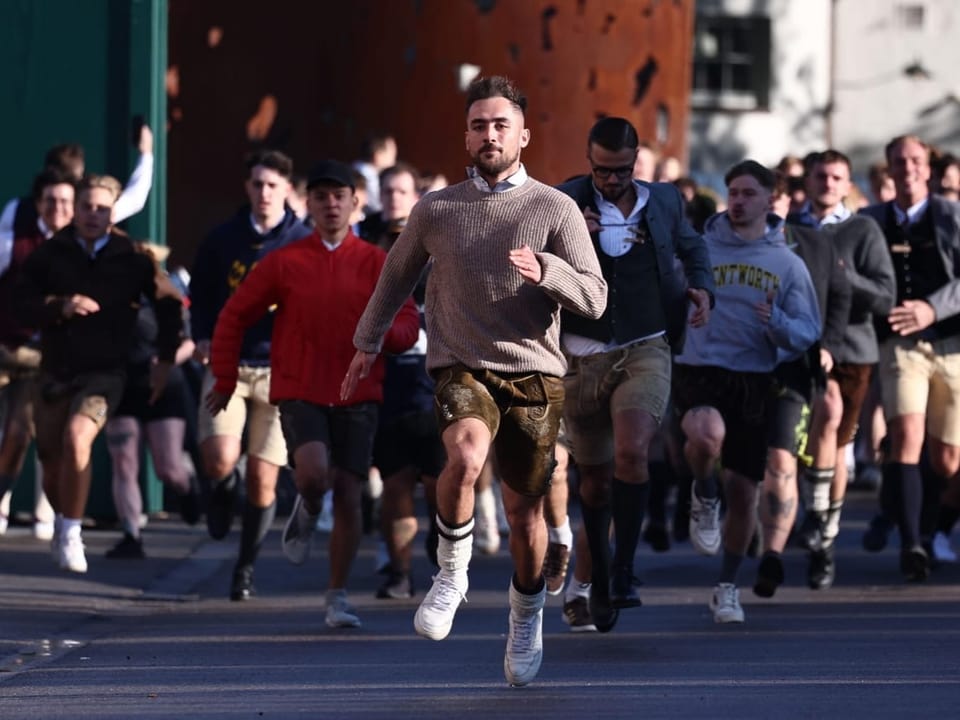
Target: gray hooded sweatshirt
pixel 746 273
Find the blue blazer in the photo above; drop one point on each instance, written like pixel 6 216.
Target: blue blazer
pixel 682 257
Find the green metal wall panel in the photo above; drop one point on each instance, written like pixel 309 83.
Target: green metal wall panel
pixel 79 71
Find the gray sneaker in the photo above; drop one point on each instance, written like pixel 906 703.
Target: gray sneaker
pixel 340 613
pixel 298 532
pixel 704 523
pixel 524 654
pixel 725 604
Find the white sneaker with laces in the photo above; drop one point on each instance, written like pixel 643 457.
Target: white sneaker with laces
pixel 71 554
pixel 521 661
pixel 704 523
pixel 435 615
pixel 298 532
pixel 725 604
pixel 942 550
pixel 340 613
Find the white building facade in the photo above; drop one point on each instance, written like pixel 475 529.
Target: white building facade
pixel 778 77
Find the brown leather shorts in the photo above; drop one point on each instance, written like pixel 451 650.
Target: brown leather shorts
pixel 854 382
pixel 522 412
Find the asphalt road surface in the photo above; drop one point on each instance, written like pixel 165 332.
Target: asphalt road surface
pixel 158 638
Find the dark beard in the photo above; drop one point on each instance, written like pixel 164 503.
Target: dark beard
pixel 493 168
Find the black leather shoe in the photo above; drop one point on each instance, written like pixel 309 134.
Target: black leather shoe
pixel 223 500
pixel 769 575
pixel 602 611
pixel 657 537
pixel 623 591
pixel 875 538
pixel 242 586
pixel 914 564
pixel 821 569
pixel 129 548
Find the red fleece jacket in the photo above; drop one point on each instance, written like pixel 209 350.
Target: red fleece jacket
pixel 318 296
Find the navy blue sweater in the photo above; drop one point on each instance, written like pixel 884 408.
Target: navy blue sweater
pixel 223 260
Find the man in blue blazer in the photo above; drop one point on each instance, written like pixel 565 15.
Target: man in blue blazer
pixel 618 384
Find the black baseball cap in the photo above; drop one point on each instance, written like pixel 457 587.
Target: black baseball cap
pixel 332 172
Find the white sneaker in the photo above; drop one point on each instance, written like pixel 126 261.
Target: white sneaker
pixel 725 604
pixel 297 533
pixel 43 530
pixel 71 554
pixel 435 615
pixel 942 550
pixel 340 613
pixel 704 523
pixel 4 522
pixel 521 661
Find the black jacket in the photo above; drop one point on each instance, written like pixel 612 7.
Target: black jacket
pixel 117 277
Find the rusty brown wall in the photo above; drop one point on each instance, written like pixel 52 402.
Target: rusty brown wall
pixel 313 78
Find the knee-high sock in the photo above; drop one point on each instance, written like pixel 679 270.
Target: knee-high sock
pixel 455 545
pixel 906 477
pixel 933 485
pixel 815 489
pixel 256 524
pixel 629 503
pixel 890 491
pixel 596 524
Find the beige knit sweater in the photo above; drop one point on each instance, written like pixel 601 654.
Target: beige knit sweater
pixel 479 309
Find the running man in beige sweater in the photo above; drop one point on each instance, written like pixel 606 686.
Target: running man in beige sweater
pixel 507 253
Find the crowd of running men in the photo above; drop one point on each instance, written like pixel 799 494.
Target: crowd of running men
pixel 359 318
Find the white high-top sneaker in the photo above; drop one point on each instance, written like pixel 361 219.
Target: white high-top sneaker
pixel 521 662
pixel 72 557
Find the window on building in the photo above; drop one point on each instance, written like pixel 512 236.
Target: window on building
pixel 731 63
pixel 910 16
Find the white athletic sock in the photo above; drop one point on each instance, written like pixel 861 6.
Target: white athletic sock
pixel 562 534
pixel 69 527
pixel 577 590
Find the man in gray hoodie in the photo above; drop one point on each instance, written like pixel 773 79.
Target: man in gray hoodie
pixel 766 306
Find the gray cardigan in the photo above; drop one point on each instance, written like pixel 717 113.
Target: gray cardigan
pixel 862 248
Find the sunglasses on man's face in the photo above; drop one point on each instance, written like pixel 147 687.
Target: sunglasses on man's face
pixel 622 172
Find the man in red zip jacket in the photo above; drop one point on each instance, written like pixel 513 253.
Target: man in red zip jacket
pixel 320 286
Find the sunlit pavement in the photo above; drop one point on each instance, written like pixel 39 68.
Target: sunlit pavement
pixel 158 638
